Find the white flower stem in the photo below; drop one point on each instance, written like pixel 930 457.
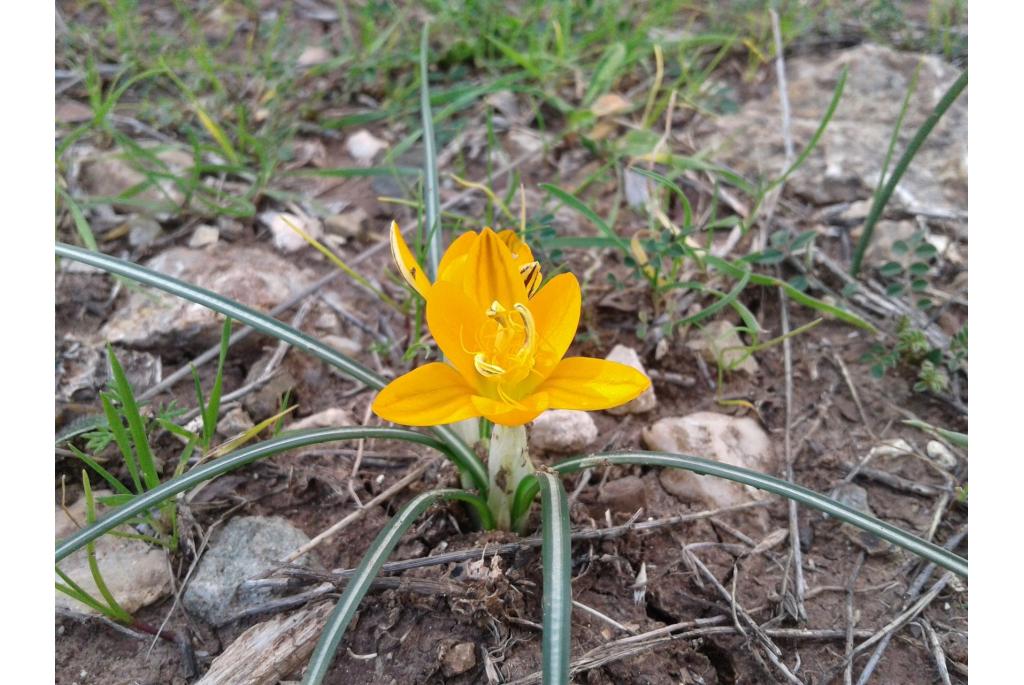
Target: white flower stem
pixel 507 463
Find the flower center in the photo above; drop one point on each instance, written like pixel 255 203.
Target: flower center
pixel 507 344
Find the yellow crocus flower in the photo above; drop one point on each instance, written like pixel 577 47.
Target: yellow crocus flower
pixel 504 338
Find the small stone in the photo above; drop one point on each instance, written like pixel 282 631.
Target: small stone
pixel 234 422
pixel 313 55
pixel 526 140
pixel 719 342
pixel 135 572
pixel 897 447
pixel 142 231
pixel 286 238
pixel 204 235
pixel 111 175
pixel 364 146
pixel 250 275
pixel 563 430
pixel 347 346
pixel 459 659
pixel 856 497
pixel 244 548
pixel 349 225
pixel 610 104
pixel 941 455
pixel 647 400
pixel 328 418
pixel 624 494
pixel 728 439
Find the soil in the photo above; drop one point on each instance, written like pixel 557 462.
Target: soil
pixel 402 635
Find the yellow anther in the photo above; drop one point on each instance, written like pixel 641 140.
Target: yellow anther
pixel 531 277
pixel 528 323
pixel 486 368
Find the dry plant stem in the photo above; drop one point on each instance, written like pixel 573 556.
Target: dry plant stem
pixel 885 635
pixel 603 617
pixel 186 370
pixel 936 649
pixel 361 445
pixel 853 393
pixel 893 481
pixel 771 649
pixel 912 592
pixel 627 647
pixel 787 130
pixel 503 549
pixel 410 478
pixel 794 520
pixel 850 618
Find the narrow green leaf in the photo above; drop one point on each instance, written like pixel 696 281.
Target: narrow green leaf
pixel 886 191
pixel 122 440
pixel 557 561
pixel 81 224
pixel 590 214
pixel 114 609
pixel 461 455
pixel 102 472
pixel 360 581
pixel 212 409
pixel 136 425
pixel 605 72
pixel 705 467
pixel 668 183
pixel 153 498
pixel 432 201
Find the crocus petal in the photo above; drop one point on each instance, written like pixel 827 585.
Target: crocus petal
pixel 454 258
pixel 556 311
pixel 407 264
pixel 592 384
pixel 455 319
pixel 506 414
pixel 428 396
pixel 491 275
pixel 520 251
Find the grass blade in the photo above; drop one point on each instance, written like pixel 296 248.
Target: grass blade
pixel 706 467
pixel 557 603
pixel 369 567
pixel 802 298
pixel 837 94
pixel 882 197
pixel 432 202
pixel 137 427
pixel 114 609
pixel 460 454
pixel 117 485
pixel 574 202
pixel 121 438
pixel 81 224
pixel 211 411
pixel 152 498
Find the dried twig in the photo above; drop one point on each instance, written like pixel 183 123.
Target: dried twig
pixel 851 620
pixel 794 521
pixel 344 523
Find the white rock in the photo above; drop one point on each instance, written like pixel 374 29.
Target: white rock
pixel 647 400
pixel 234 422
pixel 313 55
pixel 347 346
pixel 891 448
pixel 143 231
pixel 720 343
pixel 563 430
pixel 328 418
pixel 941 454
pixel 727 439
pixel 253 276
pixel 364 146
pixel 204 235
pixel 135 572
pixel 286 238
pixel 350 224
